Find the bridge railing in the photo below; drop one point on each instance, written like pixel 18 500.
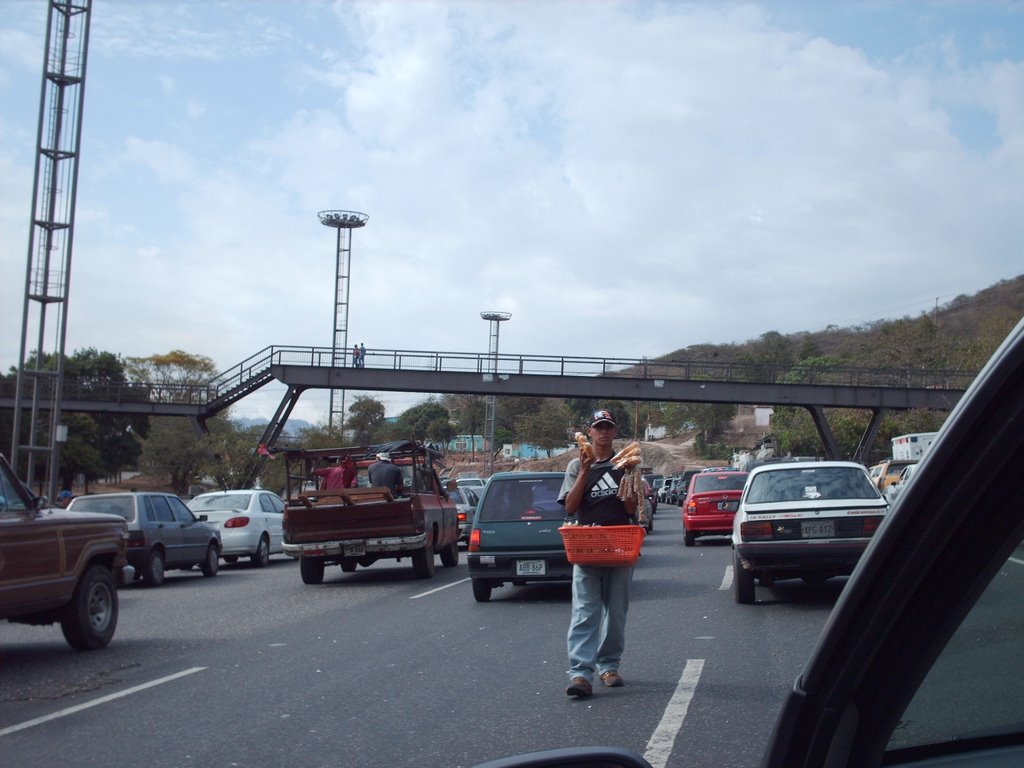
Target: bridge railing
pixel 258 366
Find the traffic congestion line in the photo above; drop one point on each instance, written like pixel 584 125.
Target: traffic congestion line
pixel 659 748
pixel 97 702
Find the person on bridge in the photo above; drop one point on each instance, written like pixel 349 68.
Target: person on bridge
pixel 600 594
pixel 383 473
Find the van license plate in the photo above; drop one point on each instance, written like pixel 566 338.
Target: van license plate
pixel 818 529
pixel 531 568
pixel 354 549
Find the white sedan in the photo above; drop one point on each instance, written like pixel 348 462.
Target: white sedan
pixel 249 522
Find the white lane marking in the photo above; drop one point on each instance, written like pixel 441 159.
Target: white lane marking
pixel 97 702
pixel 438 589
pixel 727 579
pixel 664 737
pixel 1015 560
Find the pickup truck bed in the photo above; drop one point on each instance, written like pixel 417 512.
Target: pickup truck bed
pixel 357 526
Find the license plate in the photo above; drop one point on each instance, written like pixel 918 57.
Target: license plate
pixel 728 506
pixel 818 529
pixel 531 567
pixel 354 549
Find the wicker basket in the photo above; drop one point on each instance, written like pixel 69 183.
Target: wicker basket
pixel 608 545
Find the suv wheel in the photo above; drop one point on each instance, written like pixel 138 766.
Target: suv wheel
pixel 89 620
pixel 211 562
pixel 481 590
pixel 153 573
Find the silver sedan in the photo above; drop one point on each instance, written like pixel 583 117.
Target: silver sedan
pixel 249 522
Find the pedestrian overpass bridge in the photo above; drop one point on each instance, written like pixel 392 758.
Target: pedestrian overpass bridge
pixel 878 390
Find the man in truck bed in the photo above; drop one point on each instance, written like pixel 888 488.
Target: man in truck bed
pixel 384 474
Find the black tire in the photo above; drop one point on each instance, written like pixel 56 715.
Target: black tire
pixel 450 555
pixel 211 563
pixel 153 572
pixel 311 570
pixel 481 590
pixel 423 562
pixel 261 557
pixel 689 537
pixel 742 581
pixel 650 523
pixel 89 620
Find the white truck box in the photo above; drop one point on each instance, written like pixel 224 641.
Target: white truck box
pixel 912 446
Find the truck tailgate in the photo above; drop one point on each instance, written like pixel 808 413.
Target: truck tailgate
pixel 336 522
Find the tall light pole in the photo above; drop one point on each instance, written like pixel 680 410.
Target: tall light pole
pixel 495 319
pixel 344 222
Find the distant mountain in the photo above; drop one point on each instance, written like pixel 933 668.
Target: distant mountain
pixel 292 426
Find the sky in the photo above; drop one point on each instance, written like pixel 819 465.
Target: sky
pixel 626 179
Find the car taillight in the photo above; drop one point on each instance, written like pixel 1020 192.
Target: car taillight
pixel 461 516
pixel 691 507
pixel 871 525
pixel 755 531
pixel 236 522
pixel 474 540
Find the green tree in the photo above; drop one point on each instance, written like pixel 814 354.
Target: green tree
pixel 428 422
pixel 547 427
pixel 173 377
pixel 366 419
pixel 175 451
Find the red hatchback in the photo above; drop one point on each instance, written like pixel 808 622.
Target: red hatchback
pixel 711 503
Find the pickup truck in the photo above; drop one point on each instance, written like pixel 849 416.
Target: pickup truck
pixel 358 525
pixel 59 566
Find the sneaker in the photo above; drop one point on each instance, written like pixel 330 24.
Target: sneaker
pixel 612 678
pixel 580 687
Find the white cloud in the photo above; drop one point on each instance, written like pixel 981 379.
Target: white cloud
pixel 625 179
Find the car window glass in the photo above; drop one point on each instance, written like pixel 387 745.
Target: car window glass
pixel 9 496
pixel 181 513
pixel 109 505
pixel 522 499
pixel 706 483
pixel 974 688
pixel 220 501
pixel 161 512
pixel 267 504
pixel 810 485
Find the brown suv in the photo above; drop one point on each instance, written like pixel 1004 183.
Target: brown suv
pixel 59 566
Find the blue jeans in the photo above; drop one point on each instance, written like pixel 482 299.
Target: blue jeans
pixel 597 631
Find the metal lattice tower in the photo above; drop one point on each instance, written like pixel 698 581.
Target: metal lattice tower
pixel 495 319
pixel 48 275
pixel 344 222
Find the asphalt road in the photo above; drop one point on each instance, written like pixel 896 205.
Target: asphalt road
pixel 377 668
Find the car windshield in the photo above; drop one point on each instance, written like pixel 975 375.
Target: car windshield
pixel 809 484
pixel 523 499
pixel 221 501
pixel 109 505
pixel 707 483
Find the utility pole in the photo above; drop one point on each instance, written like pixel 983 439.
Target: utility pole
pixel 40 380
